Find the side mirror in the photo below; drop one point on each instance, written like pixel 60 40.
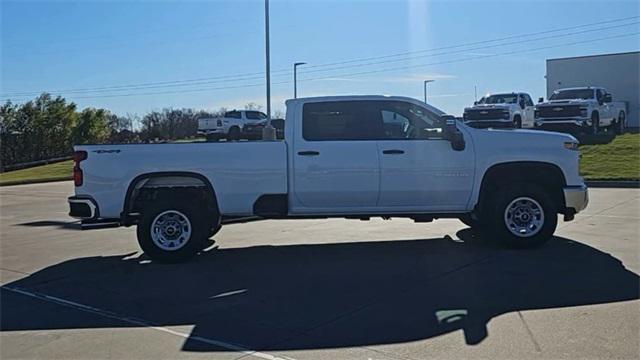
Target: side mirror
pixel 522 104
pixel 452 134
pixel 540 100
pixel 475 103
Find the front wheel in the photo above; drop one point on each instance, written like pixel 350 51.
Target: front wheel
pixel 172 230
pixel 517 122
pixel 621 123
pixel 521 216
pixel 595 124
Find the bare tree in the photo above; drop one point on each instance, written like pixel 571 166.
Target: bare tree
pixel 252 106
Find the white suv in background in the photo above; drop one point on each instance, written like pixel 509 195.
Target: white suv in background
pixel 230 125
pixel 503 110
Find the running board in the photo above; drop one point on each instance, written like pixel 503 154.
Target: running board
pixel 98 224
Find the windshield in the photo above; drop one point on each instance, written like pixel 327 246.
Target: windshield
pixel 572 94
pixel 499 99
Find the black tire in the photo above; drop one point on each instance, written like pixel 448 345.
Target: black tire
pixel 595 123
pixel 497 219
pixel 517 122
pixel 188 247
pixel 468 220
pixel 214 230
pixel 621 123
pixel 234 133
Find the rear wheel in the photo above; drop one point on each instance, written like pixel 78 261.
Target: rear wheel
pixel 234 133
pixel 171 230
pixel 521 216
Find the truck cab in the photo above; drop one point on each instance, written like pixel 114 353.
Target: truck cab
pixel 502 110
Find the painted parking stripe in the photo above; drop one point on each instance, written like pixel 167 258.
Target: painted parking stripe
pixel 139 322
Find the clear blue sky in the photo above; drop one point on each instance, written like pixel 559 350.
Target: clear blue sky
pixel 59 45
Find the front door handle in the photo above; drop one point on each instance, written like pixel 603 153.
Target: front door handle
pixel 308 153
pixel 393 152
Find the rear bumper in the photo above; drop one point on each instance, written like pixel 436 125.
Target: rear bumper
pixel 83 207
pixel 576 198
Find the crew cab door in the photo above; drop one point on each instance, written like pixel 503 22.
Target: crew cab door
pixel 419 169
pixel 335 158
pixel 529 111
pixel 606 112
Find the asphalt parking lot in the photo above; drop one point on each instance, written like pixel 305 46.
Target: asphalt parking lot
pixel 319 289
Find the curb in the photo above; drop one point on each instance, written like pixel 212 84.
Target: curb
pixel 34 181
pixel 613 184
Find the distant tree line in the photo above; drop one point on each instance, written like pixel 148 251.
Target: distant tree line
pixel 47 127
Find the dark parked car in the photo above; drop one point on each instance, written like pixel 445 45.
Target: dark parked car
pixel 254 131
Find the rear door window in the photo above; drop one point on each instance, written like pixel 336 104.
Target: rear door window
pixel 341 120
pixel 233 114
pixel 255 115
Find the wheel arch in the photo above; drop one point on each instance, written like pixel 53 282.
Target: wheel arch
pixel 166 180
pixel 623 113
pixel 546 174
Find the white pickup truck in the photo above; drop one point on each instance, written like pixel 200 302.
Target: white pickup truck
pixel 348 156
pixel 504 110
pixel 587 109
pixel 229 126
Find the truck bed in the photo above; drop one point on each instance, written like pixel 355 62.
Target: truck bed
pixel 242 171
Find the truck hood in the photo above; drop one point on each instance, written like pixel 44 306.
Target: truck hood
pixel 520 137
pixel 565 102
pixel 488 107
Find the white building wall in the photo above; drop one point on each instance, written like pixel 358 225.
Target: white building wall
pixel 618 73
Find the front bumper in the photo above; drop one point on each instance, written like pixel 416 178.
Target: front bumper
pixel 493 123
pixel 554 123
pixel 210 131
pixel 576 199
pixel 83 207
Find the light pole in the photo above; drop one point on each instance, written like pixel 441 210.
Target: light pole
pixel 295 78
pixel 425 89
pixel 268 132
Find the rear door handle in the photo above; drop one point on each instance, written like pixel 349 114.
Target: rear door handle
pixel 393 152
pixel 308 153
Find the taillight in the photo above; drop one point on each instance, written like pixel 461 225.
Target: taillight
pixel 78 157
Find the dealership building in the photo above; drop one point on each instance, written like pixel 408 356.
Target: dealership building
pixel 618 73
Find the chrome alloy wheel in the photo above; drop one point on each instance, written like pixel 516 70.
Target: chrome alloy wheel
pixel 170 230
pixel 524 217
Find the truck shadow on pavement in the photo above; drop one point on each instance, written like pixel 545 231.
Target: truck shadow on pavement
pixel 348 294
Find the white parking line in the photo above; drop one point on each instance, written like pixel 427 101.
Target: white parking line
pixel 139 322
